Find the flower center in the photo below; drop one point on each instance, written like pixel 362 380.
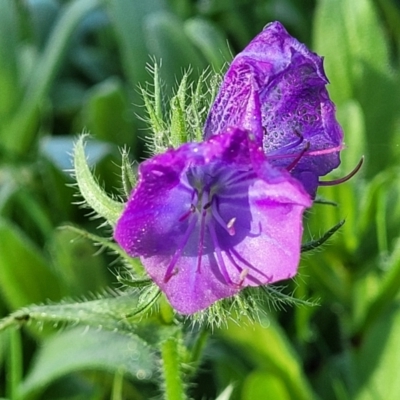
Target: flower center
pixel 218 193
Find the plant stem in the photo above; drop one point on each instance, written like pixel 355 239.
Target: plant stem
pixel 174 388
pixel 14 364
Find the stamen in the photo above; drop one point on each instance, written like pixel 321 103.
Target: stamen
pixel 298 158
pixel 345 178
pixel 207 205
pixel 242 276
pixel 218 253
pixel 201 240
pixel 238 178
pixel 325 151
pixel 311 153
pixel 192 209
pixel 218 218
pixel 230 226
pixel 249 266
pixel 170 269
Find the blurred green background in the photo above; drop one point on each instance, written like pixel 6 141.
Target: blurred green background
pixel 73 66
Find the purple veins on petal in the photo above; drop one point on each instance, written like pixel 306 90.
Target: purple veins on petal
pixel 276 88
pixel 209 219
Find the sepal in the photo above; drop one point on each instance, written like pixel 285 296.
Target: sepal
pixel 93 194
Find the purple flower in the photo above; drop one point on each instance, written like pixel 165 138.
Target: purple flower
pixel 276 89
pixel 208 219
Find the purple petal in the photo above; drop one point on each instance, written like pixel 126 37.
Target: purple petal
pixel 209 219
pixel 276 88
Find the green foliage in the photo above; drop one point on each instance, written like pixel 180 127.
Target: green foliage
pixel 24 272
pixel 70 65
pixel 94 350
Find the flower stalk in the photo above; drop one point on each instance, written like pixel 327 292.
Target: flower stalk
pixel 171 369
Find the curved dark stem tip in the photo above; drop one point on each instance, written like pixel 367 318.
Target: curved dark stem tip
pixel 345 178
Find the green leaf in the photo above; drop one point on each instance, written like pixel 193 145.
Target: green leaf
pixel 258 383
pixel 9 79
pixel 378 356
pixel 167 41
pixel 128 18
pixel 348 35
pixel 351 117
pixel 129 178
pixel 134 263
pixel 25 275
pixel 152 97
pixel 83 350
pixel 42 16
pixel 357 60
pixel 266 345
pixel 178 128
pixel 74 261
pixel 93 194
pixel 388 291
pixel 314 244
pixel 106 111
pixel 17 135
pixel 210 40
pixel 110 313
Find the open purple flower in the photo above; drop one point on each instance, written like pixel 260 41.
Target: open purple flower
pixel 276 89
pixel 208 219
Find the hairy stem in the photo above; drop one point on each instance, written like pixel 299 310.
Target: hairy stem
pixel 173 384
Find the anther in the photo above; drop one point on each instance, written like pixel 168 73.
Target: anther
pixel 192 209
pixel 230 226
pixel 242 276
pixel 207 205
pixel 167 277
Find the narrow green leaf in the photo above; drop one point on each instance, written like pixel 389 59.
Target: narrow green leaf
pixel 17 135
pixel 377 357
pixel 109 313
pixel 153 97
pixel 330 41
pixel 388 291
pixel 210 40
pixel 129 178
pixel 108 244
pixel 350 37
pixel 167 41
pixel 351 117
pixel 93 194
pixel 128 18
pixel 157 93
pixel 25 275
pixel 202 95
pixel 178 128
pixel 260 382
pixel 106 113
pixel 82 350
pixel 314 244
pixel 269 348
pixel 74 261
pixel 9 79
